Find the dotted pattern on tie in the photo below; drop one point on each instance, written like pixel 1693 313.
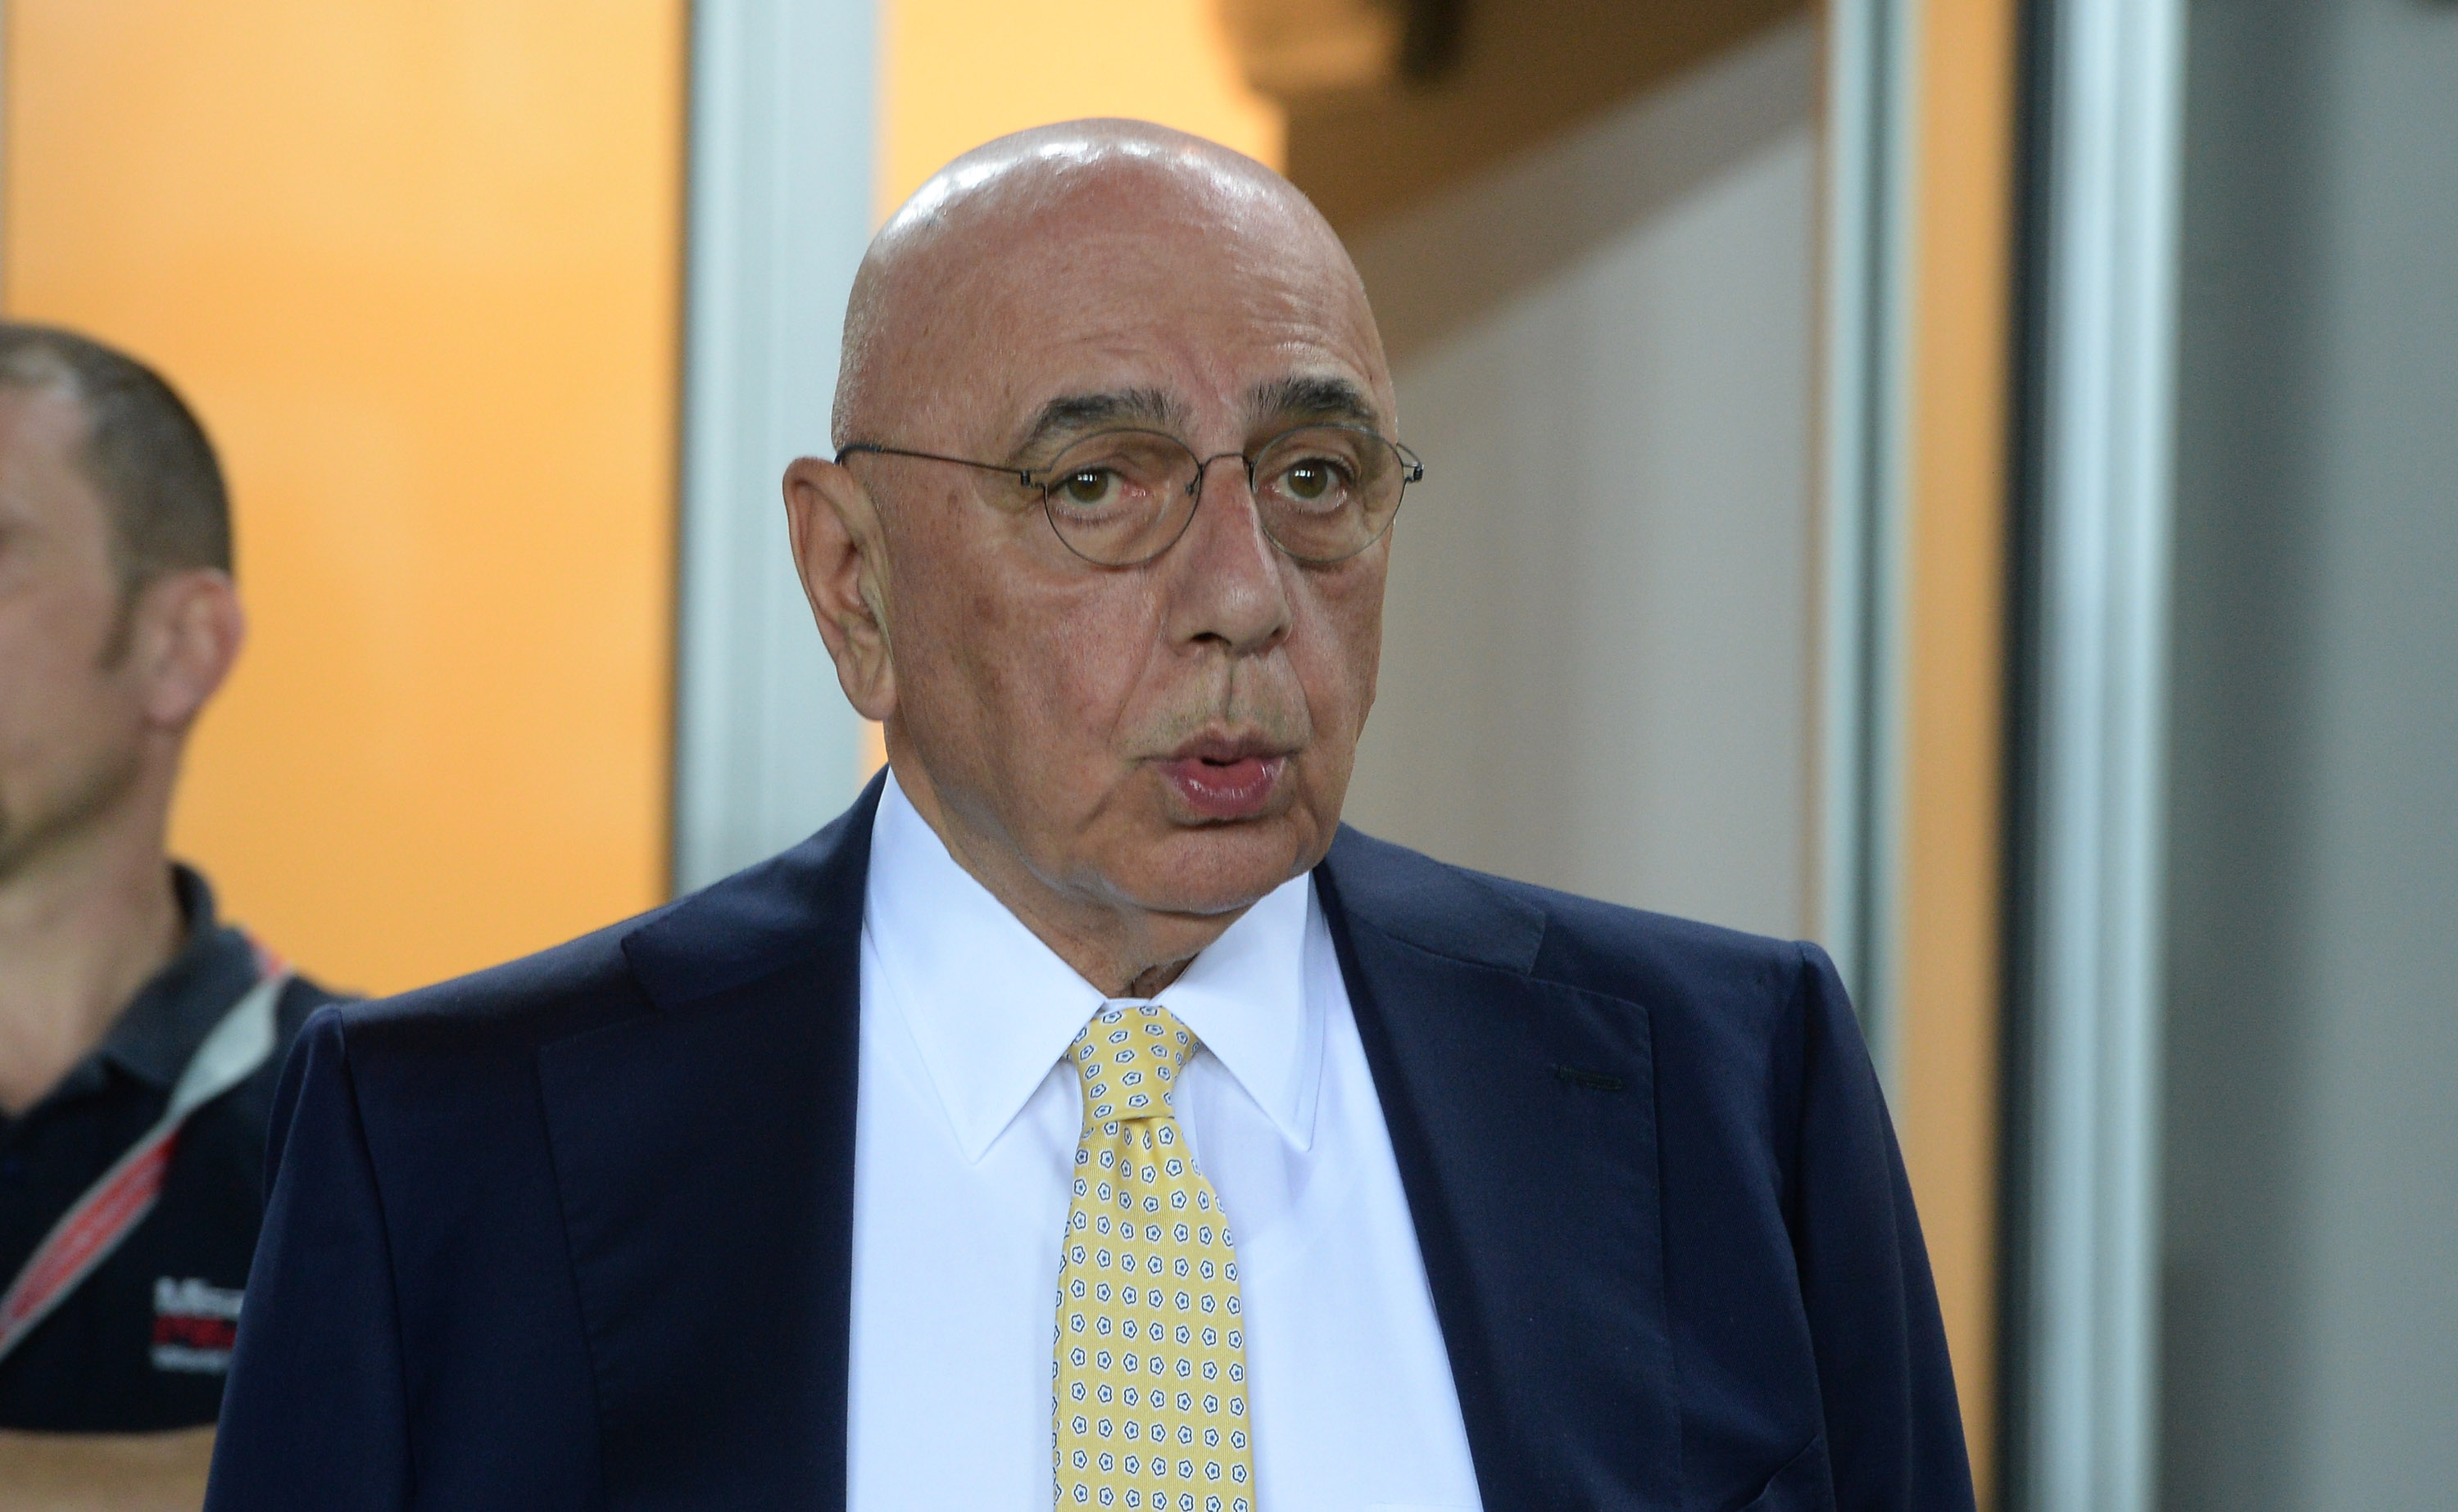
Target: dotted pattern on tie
pixel 1148 1408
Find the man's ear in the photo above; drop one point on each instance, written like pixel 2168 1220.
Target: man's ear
pixel 842 557
pixel 186 635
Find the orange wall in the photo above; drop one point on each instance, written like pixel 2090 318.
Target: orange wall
pixel 416 264
pixel 1947 1086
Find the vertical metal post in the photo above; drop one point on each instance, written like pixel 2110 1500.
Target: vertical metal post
pixel 2103 330
pixel 765 749
pixel 1864 508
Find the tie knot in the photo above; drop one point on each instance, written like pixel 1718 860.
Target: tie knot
pixel 1127 1062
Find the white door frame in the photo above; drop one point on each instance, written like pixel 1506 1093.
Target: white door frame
pixel 781 167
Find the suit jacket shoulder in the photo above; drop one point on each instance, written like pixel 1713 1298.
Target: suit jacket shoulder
pixel 546 1235
pixel 752 924
pixel 1653 1153
pixel 1561 937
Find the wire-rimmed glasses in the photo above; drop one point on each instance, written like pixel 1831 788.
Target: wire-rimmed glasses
pixel 1120 497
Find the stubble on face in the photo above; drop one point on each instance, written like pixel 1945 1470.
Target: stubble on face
pixel 1077 733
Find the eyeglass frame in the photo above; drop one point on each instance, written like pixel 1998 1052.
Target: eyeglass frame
pixel 1413 469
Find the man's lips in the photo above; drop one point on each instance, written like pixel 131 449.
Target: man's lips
pixel 1225 783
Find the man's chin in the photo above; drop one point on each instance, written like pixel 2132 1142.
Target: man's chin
pixel 1219 869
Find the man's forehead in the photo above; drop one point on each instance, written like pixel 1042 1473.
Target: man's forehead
pixel 1106 271
pixel 1164 319
pixel 1112 255
pixel 43 487
pixel 42 428
pixel 51 407
pixel 1064 346
pixel 1293 399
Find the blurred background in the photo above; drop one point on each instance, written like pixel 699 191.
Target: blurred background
pixel 1966 481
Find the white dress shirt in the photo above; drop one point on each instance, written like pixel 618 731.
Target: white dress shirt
pixel 965 1143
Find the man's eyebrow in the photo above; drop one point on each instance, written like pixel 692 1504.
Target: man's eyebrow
pixel 1315 398
pixel 1072 415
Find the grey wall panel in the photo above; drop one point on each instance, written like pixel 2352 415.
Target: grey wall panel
pixel 1597 664
pixel 2311 1324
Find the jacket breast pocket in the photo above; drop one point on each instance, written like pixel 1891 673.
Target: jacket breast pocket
pixel 1803 1485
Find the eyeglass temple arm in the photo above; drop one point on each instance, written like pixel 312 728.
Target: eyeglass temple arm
pixel 1022 475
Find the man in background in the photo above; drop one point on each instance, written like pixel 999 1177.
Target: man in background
pixel 140 1035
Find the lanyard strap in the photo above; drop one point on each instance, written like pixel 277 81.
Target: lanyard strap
pixel 118 1201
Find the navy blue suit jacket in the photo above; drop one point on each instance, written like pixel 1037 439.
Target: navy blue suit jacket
pixel 578 1231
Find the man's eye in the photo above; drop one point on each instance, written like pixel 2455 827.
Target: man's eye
pixel 1311 482
pixel 1091 488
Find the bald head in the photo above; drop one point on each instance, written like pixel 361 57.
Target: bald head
pixel 989 253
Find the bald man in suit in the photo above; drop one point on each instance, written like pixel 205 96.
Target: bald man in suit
pixel 1086 1118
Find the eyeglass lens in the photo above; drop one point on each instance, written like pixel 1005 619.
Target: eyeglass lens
pixel 1324 492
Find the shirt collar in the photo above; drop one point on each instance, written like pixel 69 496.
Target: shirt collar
pixel 991 1009
pixel 171 1015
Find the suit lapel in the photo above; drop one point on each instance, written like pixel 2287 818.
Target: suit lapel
pixel 705 1154
pixel 1522 1114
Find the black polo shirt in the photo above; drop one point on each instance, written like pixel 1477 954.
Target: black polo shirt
pixel 143 1342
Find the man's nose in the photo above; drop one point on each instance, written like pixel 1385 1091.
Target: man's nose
pixel 1229 586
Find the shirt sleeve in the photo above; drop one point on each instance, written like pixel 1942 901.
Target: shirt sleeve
pixel 1894 1432
pixel 314 1411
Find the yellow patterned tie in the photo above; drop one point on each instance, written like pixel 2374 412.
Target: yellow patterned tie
pixel 1149 1405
